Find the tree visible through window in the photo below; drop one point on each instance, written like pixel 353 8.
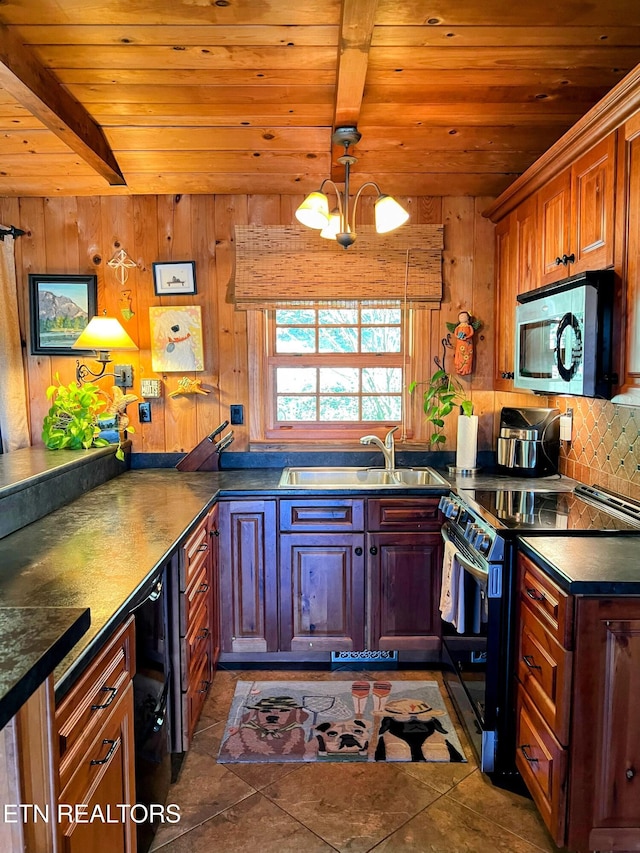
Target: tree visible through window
pixel 332 365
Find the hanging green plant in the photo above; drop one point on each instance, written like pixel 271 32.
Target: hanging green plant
pixel 443 393
pixel 73 421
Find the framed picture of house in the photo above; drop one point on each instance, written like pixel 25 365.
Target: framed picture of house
pixel 174 277
pixel 60 307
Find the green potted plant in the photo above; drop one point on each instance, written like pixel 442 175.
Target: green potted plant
pixel 443 393
pixel 73 421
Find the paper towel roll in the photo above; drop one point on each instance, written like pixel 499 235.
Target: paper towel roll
pixel 467 446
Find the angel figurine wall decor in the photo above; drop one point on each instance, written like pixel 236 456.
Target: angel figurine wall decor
pixel 463 332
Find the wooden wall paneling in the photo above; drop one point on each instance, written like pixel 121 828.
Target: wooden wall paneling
pixel 33 260
pixel 424 210
pixel 62 256
pixel 484 309
pixel 118 232
pixel 288 206
pixel 457 274
pixel 229 211
pixel 208 413
pixel 483 295
pixel 151 436
pixel 174 244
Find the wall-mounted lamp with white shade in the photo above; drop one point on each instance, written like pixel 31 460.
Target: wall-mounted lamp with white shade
pixel 103 335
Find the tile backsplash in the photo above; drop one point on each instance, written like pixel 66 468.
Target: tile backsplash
pixel 605 446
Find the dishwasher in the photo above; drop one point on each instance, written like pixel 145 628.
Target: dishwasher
pixel 156 764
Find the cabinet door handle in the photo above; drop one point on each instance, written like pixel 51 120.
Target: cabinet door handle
pixel 568 259
pixel 205 687
pixel 204 587
pixel 529 662
pixel 203 547
pixel 373 550
pixel 113 691
pixel 358 551
pixel 112 749
pixel 532 593
pixel 215 532
pixel 558 261
pixel 204 633
pixel 525 751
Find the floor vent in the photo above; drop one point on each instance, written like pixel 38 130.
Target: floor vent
pixel 364 658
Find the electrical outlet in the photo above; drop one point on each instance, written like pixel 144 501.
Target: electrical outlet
pixel 144 413
pixel 236 414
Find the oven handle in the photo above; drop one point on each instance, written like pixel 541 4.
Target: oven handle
pixel 477 572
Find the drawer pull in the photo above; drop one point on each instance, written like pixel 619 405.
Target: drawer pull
pixel 215 532
pixel 204 633
pixel 373 550
pixel 532 593
pixel 203 547
pixel 630 773
pixel 205 686
pixel 525 751
pixel 112 749
pixel 529 662
pixel 358 551
pixel 113 691
pixel 204 587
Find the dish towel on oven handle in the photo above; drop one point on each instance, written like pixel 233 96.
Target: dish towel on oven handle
pixel 452 590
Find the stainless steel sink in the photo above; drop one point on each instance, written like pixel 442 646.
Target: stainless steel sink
pixel 361 478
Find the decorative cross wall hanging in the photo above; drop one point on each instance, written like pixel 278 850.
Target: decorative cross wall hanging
pixel 121 263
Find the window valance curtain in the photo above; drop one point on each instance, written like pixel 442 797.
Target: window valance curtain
pixel 278 266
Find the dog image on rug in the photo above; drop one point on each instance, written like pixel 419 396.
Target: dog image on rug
pixel 340 739
pixel 410 731
pixel 271 727
pixel 338 720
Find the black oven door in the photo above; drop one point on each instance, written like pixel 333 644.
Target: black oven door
pixel 477 658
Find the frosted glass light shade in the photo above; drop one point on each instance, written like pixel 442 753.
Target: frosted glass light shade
pixel 314 210
pixel 332 228
pixel 389 214
pixel 104 333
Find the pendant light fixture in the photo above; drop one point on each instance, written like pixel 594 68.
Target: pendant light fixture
pixel 339 223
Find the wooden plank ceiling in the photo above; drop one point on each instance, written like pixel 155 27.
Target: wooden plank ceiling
pixel 238 96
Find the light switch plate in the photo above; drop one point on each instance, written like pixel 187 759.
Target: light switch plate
pixel 150 388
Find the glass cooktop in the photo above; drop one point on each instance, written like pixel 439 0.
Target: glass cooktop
pixel 547 512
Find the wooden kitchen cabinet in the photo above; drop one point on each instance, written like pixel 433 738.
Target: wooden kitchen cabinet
pixel 579 690
pixel 404 566
pixel 94 723
pixel 576 215
pixel 321 573
pixel 248 576
pixel 199 629
pixel 630 168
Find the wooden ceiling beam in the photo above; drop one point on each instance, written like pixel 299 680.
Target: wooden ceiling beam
pixel 33 86
pixel 356 30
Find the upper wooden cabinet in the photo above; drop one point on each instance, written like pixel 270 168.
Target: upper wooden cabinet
pixel 576 215
pixel 630 167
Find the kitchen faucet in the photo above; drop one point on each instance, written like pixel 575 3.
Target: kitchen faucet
pixel 388 448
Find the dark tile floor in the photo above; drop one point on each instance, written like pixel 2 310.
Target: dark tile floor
pixel 353 808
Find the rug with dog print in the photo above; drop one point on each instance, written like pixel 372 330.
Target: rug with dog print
pixel 339 721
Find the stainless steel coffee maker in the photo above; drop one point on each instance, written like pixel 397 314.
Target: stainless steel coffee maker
pixel 529 442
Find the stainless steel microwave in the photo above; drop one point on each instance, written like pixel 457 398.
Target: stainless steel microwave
pixel 563 337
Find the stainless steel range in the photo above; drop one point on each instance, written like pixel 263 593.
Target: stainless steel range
pixel 481 530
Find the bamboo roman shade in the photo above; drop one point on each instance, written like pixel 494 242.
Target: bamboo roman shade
pixel 278 266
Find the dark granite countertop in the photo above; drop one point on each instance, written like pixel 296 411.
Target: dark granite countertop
pixel 33 641
pixel 594 565
pixel 29 466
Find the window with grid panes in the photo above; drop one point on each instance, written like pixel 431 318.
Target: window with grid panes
pixel 331 367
